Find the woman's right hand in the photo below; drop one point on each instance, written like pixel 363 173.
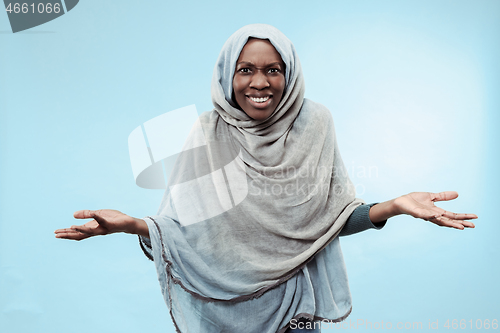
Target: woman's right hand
pixel 105 221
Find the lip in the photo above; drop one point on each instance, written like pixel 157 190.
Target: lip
pixel 257 105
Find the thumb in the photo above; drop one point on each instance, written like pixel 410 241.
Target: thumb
pixel 83 214
pixel 96 215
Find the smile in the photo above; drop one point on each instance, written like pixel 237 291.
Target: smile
pixel 259 99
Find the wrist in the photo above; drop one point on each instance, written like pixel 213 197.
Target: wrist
pixel 131 226
pixel 396 206
pixel 383 211
pixel 140 227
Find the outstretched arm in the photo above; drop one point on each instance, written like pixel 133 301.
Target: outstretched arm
pixel 421 205
pixel 105 222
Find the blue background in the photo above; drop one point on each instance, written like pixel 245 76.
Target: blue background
pixel 413 87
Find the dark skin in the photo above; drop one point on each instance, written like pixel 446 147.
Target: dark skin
pixel 259 79
pixel 259 74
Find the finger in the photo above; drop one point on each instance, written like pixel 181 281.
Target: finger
pixel 62 230
pixel 467 224
pixel 427 214
pixel 446 222
pixel 444 196
pixel 74 235
pixel 68 232
pixel 84 214
pixel 84 230
pixel 457 216
pixel 95 229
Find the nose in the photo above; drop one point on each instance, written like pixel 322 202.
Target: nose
pixel 259 81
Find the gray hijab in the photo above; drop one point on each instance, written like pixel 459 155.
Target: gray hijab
pixel 251 202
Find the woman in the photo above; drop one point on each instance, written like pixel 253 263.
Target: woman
pixel 262 254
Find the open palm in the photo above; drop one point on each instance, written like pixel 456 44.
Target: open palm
pixel 421 205
pixel 105 221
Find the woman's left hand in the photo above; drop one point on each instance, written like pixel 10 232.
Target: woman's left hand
pixel 421 205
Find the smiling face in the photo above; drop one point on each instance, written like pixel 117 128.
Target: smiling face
pixel 259 79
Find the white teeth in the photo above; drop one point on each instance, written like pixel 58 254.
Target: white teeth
pixel 259 100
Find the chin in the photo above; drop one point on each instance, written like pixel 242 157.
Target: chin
pixel 258 114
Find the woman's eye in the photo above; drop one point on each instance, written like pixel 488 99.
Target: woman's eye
pixel 274 70
pixel 244 70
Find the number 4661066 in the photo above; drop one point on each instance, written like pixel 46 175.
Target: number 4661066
pixel 479 324
pixel 41 8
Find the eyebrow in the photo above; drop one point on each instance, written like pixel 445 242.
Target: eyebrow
pixel 251 64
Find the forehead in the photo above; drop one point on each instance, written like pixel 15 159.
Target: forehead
pixel 259 51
